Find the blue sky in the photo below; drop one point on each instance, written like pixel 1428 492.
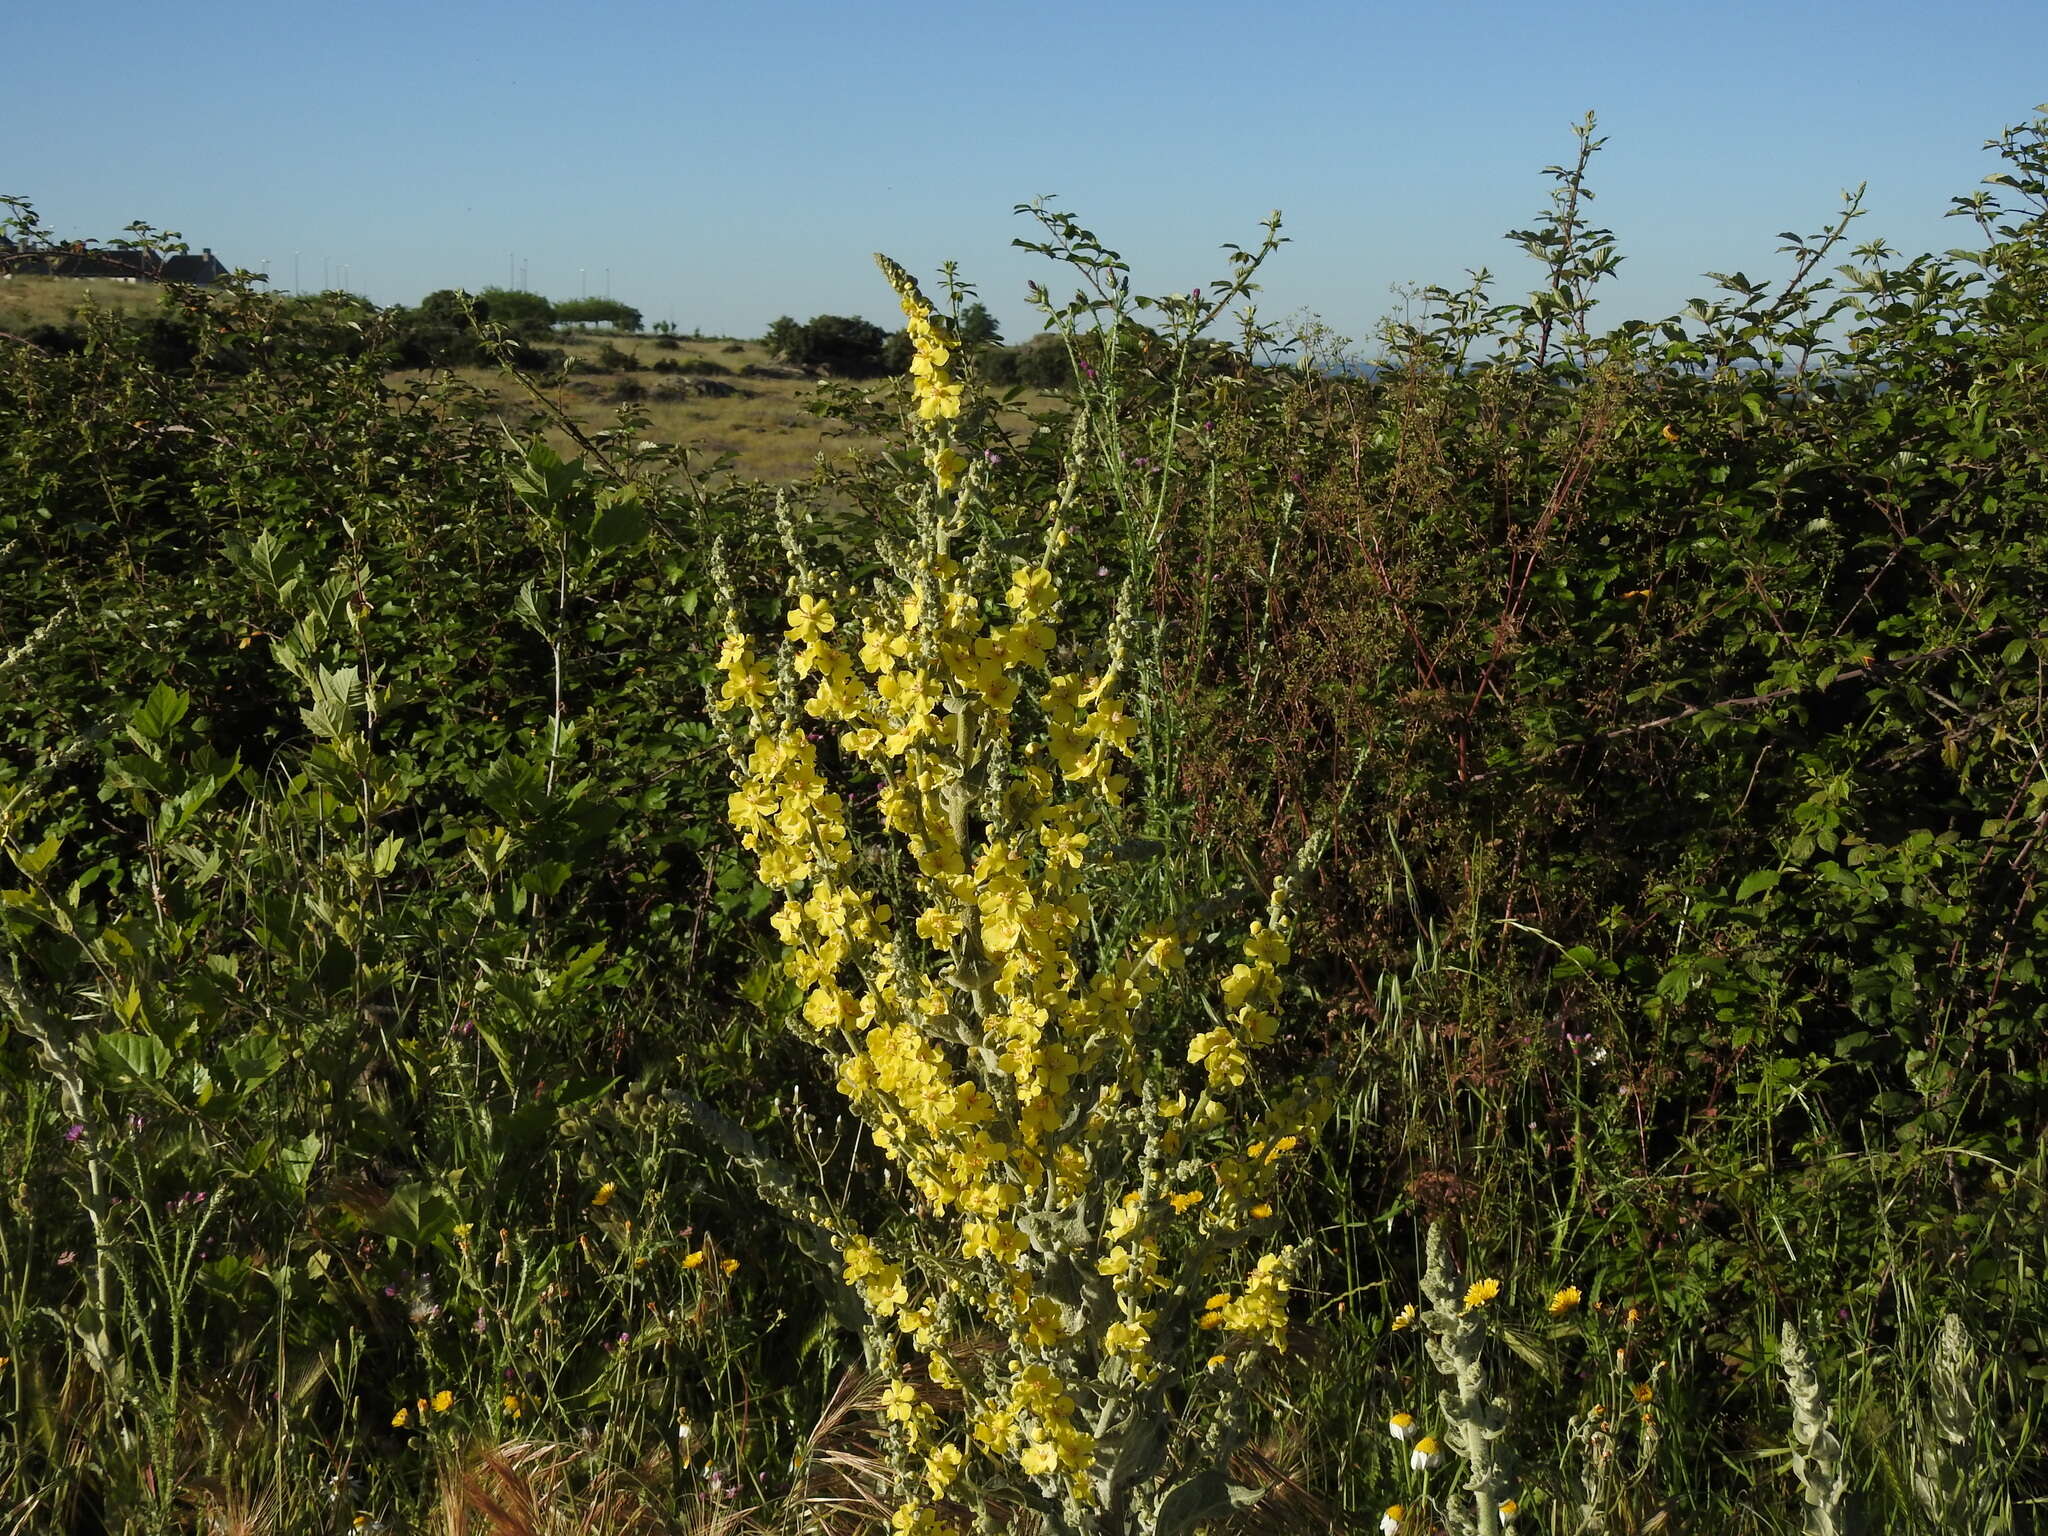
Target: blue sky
pixel 723 164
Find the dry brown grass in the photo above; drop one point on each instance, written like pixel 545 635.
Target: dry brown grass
pixel 27 301
pixel 538 1488
pixel 764 424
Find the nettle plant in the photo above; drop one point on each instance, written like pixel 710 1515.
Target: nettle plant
pixel 1080 1296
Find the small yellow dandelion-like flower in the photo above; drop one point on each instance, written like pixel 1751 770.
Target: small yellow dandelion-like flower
pixel 604 1194
pixel 1643 1391
pixel 443 1400
pixel 1402 1427
pixel 1261 1211
pixel 1390 1522
pixel 1427 1453
pixel 728 1266
pixel 694 1260
pixel 1635 1315
pixel 401 1418
pixel 1564 1301
pixel 1217 1362
pixel 1479 1293
pixel 1509 1509
pixel 1405 1318
pixel 512 1404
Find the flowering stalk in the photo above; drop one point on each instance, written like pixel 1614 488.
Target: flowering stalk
pixel 1072 1200
pixel 1474 1418
pixel 1816 1453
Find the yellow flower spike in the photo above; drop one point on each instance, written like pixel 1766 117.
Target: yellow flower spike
pixel 1564 1301
pixel 1479 1293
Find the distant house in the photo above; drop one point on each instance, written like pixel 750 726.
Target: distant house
pixel 77 259
pixel 201 270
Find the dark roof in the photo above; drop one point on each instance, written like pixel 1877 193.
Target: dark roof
pixel 201 269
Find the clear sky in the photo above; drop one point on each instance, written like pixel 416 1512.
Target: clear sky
pixel 722 164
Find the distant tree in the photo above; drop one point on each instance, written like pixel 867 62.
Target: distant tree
pixel 837 344
pixel 784 338
pixel 518 311
pixel 1042 362
pixel 976 327
pixel 452 307
pixel 620 317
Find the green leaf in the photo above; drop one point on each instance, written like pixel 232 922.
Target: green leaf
pixel 253 1059
pixel 419 1214
pixel 620 522
pixel 33 861
pixel 1760 880
pixel 155 715
pixel 1205 1496
pixel 129 1057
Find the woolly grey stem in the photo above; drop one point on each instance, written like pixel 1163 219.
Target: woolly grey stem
pixel 1816 1454
pixel 1474 1417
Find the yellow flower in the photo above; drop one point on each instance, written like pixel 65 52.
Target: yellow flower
pixel 1261 1211
pixel 1427 1453
pixel 1509 1509
pixel 401 1418
pixel 1402 1427
pixel 1564 1301
pixel 1405 1318
pixel 728 1266
pixel 810 619
pixel 604 1194
pixel 512 1404
pixel 1479 1293
pixel 1390 1522
pixel 443 1400
pixel 1643 1391
pixel 694 1260
pixel 946 465
pixel 899 1402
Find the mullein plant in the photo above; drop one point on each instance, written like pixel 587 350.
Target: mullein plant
pixel 1817 1459
pixel 1475 1418
pixel 1084 1289
pixel 1954 1489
